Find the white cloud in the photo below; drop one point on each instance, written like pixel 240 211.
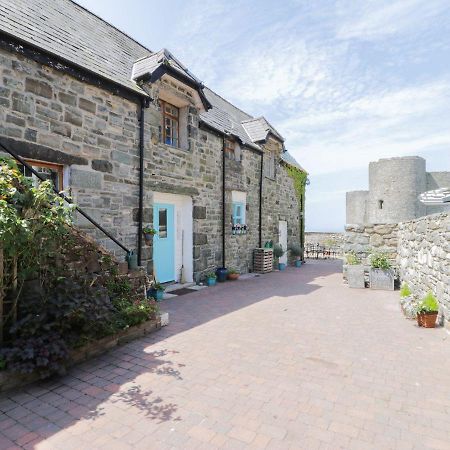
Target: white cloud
pixel 380 19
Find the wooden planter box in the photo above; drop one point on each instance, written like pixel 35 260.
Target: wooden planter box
pixel 382 279
pixel 355 276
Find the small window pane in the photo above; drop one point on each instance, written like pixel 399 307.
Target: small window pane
pixel 162 223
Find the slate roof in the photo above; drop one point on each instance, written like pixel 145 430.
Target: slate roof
pixel 289 159
pixel 226 118
pixel 148 64
pixel 70 32
pixel 258 129
pixel 67 30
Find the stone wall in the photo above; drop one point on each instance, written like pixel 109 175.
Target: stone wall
pixel 424 258
pixel 53 117
pixel 325 239
pixel 366 239
pixel 50 116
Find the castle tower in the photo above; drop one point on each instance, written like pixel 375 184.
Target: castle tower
pixel 394 187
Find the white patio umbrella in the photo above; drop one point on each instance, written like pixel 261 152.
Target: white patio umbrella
pixel 436 197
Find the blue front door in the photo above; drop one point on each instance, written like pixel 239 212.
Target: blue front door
pixel 164 242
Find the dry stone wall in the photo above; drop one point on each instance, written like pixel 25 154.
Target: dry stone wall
pixel 366 239
pixel 424 258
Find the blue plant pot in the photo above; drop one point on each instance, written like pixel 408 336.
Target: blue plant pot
pixel 281 266
pixel 210 281
pixel 298 263
pixel 222 274
pixel 158 295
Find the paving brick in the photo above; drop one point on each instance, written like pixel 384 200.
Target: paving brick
pixel 251 365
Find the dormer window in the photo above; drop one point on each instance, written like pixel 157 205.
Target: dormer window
pixel 170 129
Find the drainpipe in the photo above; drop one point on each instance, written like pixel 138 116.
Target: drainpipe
pixel 144 104
pixel 261 175
pixel 223 202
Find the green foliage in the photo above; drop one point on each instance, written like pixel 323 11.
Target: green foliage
pixel 351 258
pixel 428 304
pixel 278 251
pixel 211 275
pixel 296 250
pixel 380 261
pixel 158 286
pixel 232 271
pixel 149 230
pixel 63 310
pixel 405 291
pixel 299 178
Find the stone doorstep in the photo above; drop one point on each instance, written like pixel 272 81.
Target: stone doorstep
pixel 10 380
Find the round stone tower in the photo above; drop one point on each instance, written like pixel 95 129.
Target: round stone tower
pixel 394 187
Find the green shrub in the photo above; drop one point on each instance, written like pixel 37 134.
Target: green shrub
pixel 405 291
pixel 428 304
pixel 278 251
pixel 211 275
pixel 352 259
pixel 296 250
pixel 380 261
pixel 233 271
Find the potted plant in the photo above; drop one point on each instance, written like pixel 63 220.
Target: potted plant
pixel 211 278
pixel 355 271
pixel 407 303
pixel 233 274
pixel 278 252
pixel 381 273
pixel 427 311
pixel 156 291
pixel 221 274
pixel 296 251
pixel 149 232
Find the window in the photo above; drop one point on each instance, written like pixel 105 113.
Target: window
pixel 269 166
pixel 232 150
pixel 48 171
pixel 238 213
pixel 162 233
pixel 169 129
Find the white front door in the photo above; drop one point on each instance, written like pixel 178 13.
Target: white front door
pixel 282 230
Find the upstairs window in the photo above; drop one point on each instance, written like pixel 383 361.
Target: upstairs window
pixel 269 166
pixel 170 128
pixel 232 150
pixel 48 171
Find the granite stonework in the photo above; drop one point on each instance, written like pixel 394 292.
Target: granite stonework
pixel 48 115
pixel 424 258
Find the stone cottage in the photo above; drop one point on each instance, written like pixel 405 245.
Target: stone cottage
pixel 137 139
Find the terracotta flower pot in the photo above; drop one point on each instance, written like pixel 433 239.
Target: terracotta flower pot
pixel 427 320
pixel 233 276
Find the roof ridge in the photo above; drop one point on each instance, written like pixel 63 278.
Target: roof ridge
pixel 111 25
pixel 227 101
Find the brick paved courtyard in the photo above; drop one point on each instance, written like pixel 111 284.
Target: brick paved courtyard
pixel 288 360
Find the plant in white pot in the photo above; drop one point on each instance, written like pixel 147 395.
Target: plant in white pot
pixel 355 271
pixel 381 272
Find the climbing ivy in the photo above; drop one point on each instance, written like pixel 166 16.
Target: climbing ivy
pixel 299 177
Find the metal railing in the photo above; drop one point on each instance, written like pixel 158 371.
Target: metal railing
pixel 19 159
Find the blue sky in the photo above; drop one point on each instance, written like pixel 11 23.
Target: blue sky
pixel 346 82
